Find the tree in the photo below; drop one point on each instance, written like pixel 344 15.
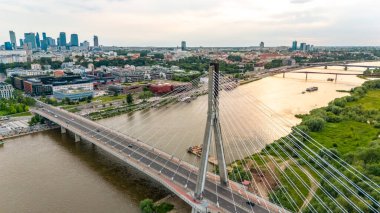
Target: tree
pixel 12 110
pixel 129 99
pixel 315 124
pixel 145 95
pixel 164 207
pixel 235 58
pixel 147 206
pixel 67 59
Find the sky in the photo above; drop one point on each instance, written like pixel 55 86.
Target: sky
pixel 199 22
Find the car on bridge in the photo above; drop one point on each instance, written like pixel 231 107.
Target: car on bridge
pixel 250 203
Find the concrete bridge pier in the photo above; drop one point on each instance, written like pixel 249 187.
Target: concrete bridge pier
pixel 325 67
pixel 77 138
pixel 336 77
pixel 202 210
pixel 306 76
pixel 345 68
pixel 63 130
pixel 283 75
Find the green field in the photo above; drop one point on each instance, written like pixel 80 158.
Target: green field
pixel 109 98
pixel 348 127
pixel 345 136
pixel 22 114
pixel 370 101
pixel 290 181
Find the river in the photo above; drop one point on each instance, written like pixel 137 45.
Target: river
pixel 48 172
pixel 248 125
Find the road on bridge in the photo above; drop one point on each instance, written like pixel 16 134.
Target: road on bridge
pixel 180 174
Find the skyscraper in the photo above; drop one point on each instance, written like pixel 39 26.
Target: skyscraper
pixel 30 40
pixel 43 36
pixel 38 42
pixel 62 39
pixel 262 44
pixel 183 45
pixel 294 46
pixel 303 46
pixel 307 48
pixel 8 45
pixel 96 41
pixel 74 40
pixel 12 36
pixel 21 42
pixel 50 41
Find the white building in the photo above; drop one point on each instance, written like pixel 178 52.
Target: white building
pixel 22 72
pixel 35 66
pixel 6 90
pixel 82 86
pixel 13 56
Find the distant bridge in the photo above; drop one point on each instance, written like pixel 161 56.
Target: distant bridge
pixel 323 73
pixel 346 66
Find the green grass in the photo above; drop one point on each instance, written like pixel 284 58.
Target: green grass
pixel 6 113
pixel 347 136
pixel 351 137
pixel 22 114
pixel 370 101
pixel 73 110
pixel 109 98
pixel 302 192
pixel 3 113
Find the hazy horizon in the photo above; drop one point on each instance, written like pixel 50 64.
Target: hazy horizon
pixel 211 23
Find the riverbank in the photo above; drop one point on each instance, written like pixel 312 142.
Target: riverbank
pixel 27 131
pixel 180 206
pixel 347 128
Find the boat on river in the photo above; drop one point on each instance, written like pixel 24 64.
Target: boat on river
pixel 312 89
pixel 197 151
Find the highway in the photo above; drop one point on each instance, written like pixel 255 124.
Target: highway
pixel 180 174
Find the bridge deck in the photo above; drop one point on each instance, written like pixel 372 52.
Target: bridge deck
pixel 178 176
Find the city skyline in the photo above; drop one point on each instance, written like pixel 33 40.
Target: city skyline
pixel 211 23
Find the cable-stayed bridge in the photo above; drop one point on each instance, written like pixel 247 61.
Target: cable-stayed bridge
pixel 206 187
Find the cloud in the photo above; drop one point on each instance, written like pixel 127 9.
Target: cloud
pixel 199 22
pixel 300 1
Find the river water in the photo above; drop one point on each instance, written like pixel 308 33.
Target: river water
pixel 252 115
pixel 48 172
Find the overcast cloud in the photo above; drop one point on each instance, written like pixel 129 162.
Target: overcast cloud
pixel 199 22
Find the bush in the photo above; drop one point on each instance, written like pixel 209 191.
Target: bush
pixel 315 124
pixel 335 109
pixel 332 118
pixel 377 125
pixel 352 98
pixel 164 207
pixel 340 102
pixel 147 206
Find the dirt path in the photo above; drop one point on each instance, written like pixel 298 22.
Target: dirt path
pixel 312 191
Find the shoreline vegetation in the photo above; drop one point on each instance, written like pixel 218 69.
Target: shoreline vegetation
pixel 348 129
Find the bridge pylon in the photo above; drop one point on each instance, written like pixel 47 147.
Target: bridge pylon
pixel 212 133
